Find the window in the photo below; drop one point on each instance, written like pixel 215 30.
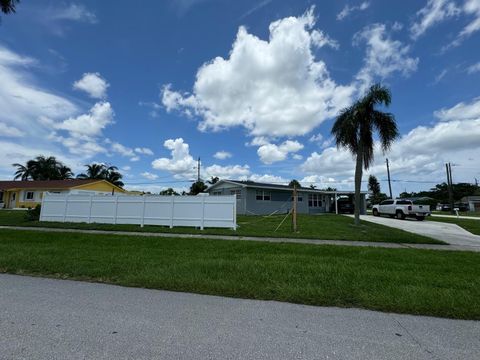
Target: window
pixel 29 195
pixel 217 193
pixel 299 198
pixel 404 202
pixel 236 192
pixel 263 195
pixel 387 202
pixel 314 200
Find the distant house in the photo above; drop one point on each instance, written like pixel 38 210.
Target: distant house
pixel 254 198
pixel 25 194
pixel 472 201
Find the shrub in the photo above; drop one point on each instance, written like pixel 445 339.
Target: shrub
pixel 33 214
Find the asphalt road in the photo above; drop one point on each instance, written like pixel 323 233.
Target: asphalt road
pixel 60 319
pixel 450 233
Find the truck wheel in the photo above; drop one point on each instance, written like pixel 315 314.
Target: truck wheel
pixel 400 215
pixel 375 212
pixel 420 218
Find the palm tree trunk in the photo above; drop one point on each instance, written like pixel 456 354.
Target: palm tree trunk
pixel 358 184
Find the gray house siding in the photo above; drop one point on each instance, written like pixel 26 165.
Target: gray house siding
pixel 279 202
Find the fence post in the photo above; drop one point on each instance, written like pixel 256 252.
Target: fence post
pixel 90 210
pixel 203 213
pixel 65 208
pixel 235 213
pixel 143 212
pixel 42 207
pixel 116 209
pixel 172 209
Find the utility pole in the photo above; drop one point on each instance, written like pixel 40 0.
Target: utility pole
pixel 198 169
pixel 389 183
pixel 450 186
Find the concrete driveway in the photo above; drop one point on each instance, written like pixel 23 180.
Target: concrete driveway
pixel 60 319
pixel 450 233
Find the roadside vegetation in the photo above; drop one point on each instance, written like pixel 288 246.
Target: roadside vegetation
pixel 326 227
pixel 472 225
pixel 425 282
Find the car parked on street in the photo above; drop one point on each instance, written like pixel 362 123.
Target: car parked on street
pixel 401 208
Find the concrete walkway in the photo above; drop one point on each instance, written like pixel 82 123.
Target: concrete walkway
pixel 61 319
pixel 450 233
pixel 252 238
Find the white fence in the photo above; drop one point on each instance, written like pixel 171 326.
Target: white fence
pixel 198 211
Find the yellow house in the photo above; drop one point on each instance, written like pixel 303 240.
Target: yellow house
pixel 28 194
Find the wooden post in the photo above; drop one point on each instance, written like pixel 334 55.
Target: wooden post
pixel 294 208
pixel 336 203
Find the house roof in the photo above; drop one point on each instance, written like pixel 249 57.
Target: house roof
pixel 259 185
pixel 45 184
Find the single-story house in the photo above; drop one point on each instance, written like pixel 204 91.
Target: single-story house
pixel 255 198
pixel 472 201
pixel 28 194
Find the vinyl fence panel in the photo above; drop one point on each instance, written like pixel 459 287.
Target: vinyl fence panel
pixel 197 211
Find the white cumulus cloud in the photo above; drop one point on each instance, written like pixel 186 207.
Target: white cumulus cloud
pixel 384 55
pixel 149 175
pixel 181 163
pixel 271 153
pixel 222 155
pixel 93 84
pixel 273 87
pixel 91 123
pixel 419 154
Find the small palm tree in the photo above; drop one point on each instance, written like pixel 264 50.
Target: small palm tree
pixel 354 127
pixel 64 173
pixel 94 171
pixel 113 176
pixel 103 172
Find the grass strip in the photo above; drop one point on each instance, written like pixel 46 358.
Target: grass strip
pixel 325 227
pixel 412 281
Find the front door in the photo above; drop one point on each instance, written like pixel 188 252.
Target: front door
pixel 13 197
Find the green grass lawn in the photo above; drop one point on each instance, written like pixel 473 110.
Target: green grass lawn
pixel 427 282
pixel 470 225
pixel 326 227
pixel 461 213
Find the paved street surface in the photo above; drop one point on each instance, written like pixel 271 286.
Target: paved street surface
pixel 450 233
pixel 60 319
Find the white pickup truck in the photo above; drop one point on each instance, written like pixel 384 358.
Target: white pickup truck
pixel 401 208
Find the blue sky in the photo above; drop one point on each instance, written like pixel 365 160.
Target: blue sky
pixel 251 87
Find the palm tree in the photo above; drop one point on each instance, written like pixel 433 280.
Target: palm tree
pixel 46 168
pixel 8 6
pixel 42 168
pixel 102 172
pixel 294 183
pixel 23 172
pixel 94 171
pixel 113 176
pixel 64 173
pixel 354 127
